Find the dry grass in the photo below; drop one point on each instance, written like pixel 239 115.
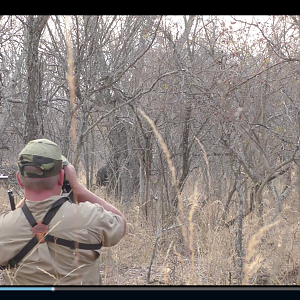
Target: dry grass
pixel 197 254
pixel 192 251
pixel 271 253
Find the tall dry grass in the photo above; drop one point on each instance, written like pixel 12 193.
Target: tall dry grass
pixel 195 250
pixel 271 253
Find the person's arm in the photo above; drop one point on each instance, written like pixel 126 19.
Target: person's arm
pixel 82 194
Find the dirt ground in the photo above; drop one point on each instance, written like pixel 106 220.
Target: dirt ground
pixel 126 276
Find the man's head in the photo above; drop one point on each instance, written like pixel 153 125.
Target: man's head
pixel 40 165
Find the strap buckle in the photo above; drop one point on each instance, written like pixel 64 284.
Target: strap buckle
pixel 40 230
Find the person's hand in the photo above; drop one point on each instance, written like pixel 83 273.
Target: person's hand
pixel 71 176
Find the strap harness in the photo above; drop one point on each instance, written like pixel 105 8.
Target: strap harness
pixel 40 234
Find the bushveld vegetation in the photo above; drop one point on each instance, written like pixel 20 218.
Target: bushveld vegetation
pixel 196 119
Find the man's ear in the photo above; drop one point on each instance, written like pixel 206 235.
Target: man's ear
pixel 61 177
pixel 18 178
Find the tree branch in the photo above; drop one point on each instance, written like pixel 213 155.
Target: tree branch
pixel 257 74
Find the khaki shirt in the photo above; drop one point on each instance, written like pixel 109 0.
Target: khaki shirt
pixel 52 264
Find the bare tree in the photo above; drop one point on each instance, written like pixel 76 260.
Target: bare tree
pixel 34 28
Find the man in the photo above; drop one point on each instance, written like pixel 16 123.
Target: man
pixel 47 239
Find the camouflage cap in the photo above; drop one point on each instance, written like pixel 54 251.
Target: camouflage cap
pixel 64 160
pixel 44 154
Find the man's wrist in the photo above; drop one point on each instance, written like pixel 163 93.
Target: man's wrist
pixel 76 187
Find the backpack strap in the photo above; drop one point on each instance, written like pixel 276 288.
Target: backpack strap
pixel 17 258
pixel 28 215
pixel 72 244
pixel 53 210
pixel 40 232
pixel 63 242
pixel 49 215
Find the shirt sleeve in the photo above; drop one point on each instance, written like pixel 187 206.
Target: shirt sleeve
pixel 10 245
pixel 109 225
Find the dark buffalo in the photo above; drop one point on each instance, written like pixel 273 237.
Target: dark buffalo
pixel 102 176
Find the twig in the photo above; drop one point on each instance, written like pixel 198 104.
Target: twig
pixel 153 255
pixel 255 75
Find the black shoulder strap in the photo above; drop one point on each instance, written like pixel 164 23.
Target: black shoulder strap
pixel 53 210
pixel 17 258
pixel 28 215
pixel 72 244
pixel 49 215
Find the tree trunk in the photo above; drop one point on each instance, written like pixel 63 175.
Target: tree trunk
pixel 86 164
pixel 92 159
pixel 34 30
pixel 185 145
pixel 239 234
